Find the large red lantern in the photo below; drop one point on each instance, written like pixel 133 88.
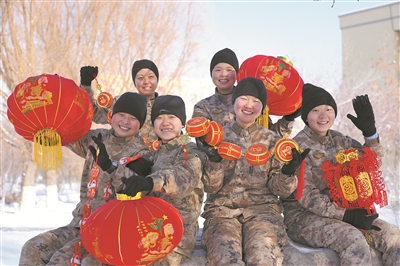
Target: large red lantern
pixel 132 230
pixel 283 83
pixel 51 111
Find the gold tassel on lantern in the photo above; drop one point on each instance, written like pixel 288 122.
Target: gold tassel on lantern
pixel 263 118
pixel 47 153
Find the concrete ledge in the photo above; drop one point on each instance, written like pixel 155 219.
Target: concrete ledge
pixel 295 254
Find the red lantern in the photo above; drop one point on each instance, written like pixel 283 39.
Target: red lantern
pixel 132 230
pixel 51 111
pixel 283 83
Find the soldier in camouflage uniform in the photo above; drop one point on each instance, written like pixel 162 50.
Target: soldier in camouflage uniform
pixel 56 247
pixel 145 78
pixel 243 222
pixel 218 107
pixel 176 173
pixel 316 220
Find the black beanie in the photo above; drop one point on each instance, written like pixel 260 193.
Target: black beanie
pixel 144 63
pixel 314 96
pixel 224 56
pixel 250 86
pixel 132 103
pixel 169 104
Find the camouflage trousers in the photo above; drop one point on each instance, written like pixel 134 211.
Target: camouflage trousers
pixel 172 259
pixel 255 240
pixel 349 242
pixel 47 248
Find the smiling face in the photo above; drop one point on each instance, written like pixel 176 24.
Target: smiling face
pixel 321 118
pixel 224 77
pixel 167 127
pixel 124 124
pixel 247 108
pixel 146 83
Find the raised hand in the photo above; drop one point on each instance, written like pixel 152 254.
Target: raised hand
pixel 88 74
pixel 365 120
pixel 297 157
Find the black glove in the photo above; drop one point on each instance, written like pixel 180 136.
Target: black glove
pixel 211 152
pixel 103 159
pixel 360 219
pixel 292 116
pixel 135 184
pixel 365 120
pixel 140 166
pixel 291 167
pixel 88 73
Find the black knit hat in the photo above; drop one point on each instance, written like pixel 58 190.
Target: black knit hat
pixel 132 103
pixel 314 96
pixel 224 56
pixel 144 63
pixel 253 87
pixel 169 104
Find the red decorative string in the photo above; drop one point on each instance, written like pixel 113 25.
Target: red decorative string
pixel 300 185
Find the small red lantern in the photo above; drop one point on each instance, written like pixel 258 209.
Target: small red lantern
pixel 257 154
pixel 132 230
pixel 215 134
pixel 283 83
pixel 51 111
pixel 197 127
pixel 229 151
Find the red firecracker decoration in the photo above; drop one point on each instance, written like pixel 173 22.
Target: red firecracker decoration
pixel 283 83
pixel 132 230
pixel 356 181
pixel 51 111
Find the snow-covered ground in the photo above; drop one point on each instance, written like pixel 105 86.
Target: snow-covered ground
pixel 17 227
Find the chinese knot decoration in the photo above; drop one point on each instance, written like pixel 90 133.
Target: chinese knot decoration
pixel 283 84
pixel 132 230
pixel 51 111
pixel 356 181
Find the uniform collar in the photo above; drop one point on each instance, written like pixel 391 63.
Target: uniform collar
pixel 178 141
pixel 225 98
pixel 316 137
pixel 122 140
pixel 239 130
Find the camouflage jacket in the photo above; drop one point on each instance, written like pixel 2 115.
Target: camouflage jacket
pixel 316 197
pixel 177 180
pixel 116 149
pixel 219 108
pixel 237 187
pixel 100 116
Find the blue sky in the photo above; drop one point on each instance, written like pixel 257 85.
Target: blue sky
pixel 307 32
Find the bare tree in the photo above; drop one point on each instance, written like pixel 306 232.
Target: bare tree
pixel 381 83
pixel 61 36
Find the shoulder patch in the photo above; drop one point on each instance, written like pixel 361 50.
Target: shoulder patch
pixel 318 155
pixel 218 111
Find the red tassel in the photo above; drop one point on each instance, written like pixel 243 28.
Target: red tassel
pixel 300 185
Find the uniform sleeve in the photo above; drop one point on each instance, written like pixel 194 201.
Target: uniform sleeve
pixel 375 145
pixel 282 127
pixel 313 200
pixel 123 170
pixel 214 175
pixel 278 183
pixel 81 147
pixel 179 178
pixel 100 114
pixel 199 110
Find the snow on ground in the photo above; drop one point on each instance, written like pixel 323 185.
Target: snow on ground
pixel 17 227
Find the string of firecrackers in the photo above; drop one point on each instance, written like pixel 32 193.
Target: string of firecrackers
pixel 256 154
pixel 355 180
